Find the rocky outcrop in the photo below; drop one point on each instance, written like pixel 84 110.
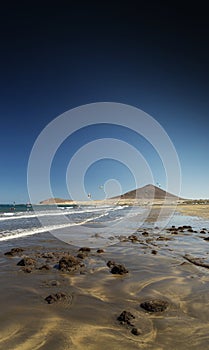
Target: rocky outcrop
pixel 53 298
pixel 116 269
pixel 155 305
pixel 14 252
pixel 69 263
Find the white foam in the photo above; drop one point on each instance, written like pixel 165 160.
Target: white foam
pixel 25 215
pixel 8 214
pixel 25 232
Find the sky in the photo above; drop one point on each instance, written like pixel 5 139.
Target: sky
pixel 56 56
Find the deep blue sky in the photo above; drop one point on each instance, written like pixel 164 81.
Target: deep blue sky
pixel 55 57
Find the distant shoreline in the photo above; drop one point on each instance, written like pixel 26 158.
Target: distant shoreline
pixel 187 207
pixel 191 207
pixel 130 202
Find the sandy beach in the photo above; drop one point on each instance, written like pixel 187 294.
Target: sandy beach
pixel 57 296
pixel 201 210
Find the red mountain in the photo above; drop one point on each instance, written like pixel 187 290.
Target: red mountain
pixel 148 192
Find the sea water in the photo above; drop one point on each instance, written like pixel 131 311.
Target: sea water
pixel 21 220
pixel 80 225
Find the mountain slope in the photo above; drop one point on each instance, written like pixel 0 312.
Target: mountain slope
pixel 55 200
pixel 148 192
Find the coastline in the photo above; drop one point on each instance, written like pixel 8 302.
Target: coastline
pixel 192 209
pixel 201 210
pixel 91 298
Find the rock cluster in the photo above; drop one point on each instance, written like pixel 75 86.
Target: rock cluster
pixel 52 298
pixel 14 252
pixel 69 263
pixel 116 269
pixel 155 305
pixel 126 318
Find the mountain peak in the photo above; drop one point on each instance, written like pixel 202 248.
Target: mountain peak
pixel 148 192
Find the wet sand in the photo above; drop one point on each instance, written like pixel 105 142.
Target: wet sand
pixel 86 316
pixel 201 210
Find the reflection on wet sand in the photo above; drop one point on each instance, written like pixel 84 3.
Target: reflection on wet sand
pixel 87 318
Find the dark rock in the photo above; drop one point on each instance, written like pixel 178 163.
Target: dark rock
pixel 126 317
pixel 163 238
pixel 14 251
pixel 48 255
pixel 174 232
pixel 68 263
pixel 110 263
pixel 81 255
pixel 61 295
pixel 52 298
pixel 203 231
pixel 180 228
pixel 9 254
pixel 116 269
pixel 145 233
pixel 135 331
pixel 119 270
pixel 26 261
pixel 172 229
pixel 123 238
pixel 133 238
pixel 149 240
pixel 155 305
pixel 206 239
pixel 85 249
pixel 154 252
pixel 100 251
pixel 44 267
pixel 27 269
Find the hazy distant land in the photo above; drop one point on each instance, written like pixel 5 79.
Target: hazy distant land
pixel 148 195
pixel 140 195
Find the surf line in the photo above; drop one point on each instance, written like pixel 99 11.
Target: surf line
pixel 47 228
pixel 37 214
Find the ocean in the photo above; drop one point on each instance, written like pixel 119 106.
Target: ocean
pixel 100 225
pixel 23 220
